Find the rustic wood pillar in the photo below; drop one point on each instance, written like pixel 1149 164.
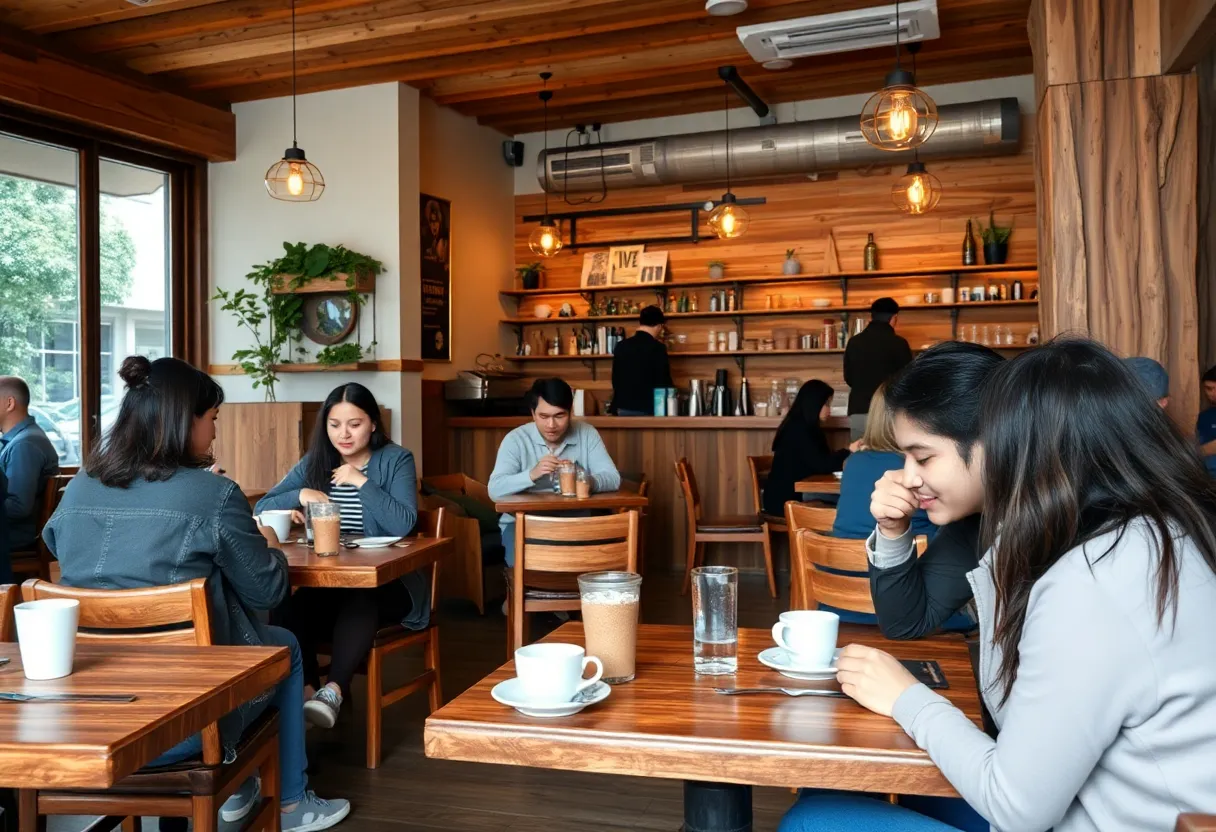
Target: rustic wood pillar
pixel 1206 261
pixel 1115 165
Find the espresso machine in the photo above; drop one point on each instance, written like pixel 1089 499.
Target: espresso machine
pixel 721 395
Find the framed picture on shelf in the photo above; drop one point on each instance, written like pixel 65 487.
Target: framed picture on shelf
pixel 653 267
pixel 595 269
pixel 626 263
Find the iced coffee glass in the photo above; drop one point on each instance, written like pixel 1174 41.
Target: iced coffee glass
pixel 326 528
pixel 567 475
pixel 610 602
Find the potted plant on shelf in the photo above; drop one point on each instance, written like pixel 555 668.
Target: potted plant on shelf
pixel 717 269
pixel 996 241
pixel 791 264
pixel 530 275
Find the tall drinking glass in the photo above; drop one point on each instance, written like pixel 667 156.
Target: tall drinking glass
pixel 715 622
pixel 326 528
pixel 610 602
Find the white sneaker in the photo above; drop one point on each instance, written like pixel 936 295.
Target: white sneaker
pixel 313 813
pixel 242 801
pixel 322 710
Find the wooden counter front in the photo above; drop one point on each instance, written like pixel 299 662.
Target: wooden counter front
pixel 717 448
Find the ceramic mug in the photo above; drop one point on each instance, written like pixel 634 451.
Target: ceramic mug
pixel 808 635
pixel 279 520
pixel 46 636
pixel 552 673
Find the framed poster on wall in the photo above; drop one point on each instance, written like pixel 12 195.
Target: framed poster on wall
pixel 436 252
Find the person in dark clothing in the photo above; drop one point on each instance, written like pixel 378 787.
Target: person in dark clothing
pixel 640 366
pixel 872 357
pixel 936 405
pixel 6 561
pixel 800 448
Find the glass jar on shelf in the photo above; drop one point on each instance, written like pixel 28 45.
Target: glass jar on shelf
pixel 775 401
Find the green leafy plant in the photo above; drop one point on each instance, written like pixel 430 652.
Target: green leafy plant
pixel 347 353
pixel 790 253
pixel 251 311
pixel 994 233
pixel 529 270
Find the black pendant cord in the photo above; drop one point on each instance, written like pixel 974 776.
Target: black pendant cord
pixel 897 34
pixel 545 95
pixel 293 73
pixel 726 112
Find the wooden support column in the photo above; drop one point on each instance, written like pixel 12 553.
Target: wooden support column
pixel 1116 164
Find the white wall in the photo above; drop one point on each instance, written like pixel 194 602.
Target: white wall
pixel 462 161
pixel 359 138
pixel 1020 87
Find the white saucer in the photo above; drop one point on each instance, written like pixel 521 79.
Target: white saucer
pixel 510 693
pixel 779 659
pixel 375 542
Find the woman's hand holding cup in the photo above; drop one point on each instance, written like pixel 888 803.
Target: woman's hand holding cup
pixel 893 504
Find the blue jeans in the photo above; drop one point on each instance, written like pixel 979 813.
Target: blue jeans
pixel 288 698
pixel 508 544
pixel 825 811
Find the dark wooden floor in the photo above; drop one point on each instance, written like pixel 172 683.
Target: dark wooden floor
pixel 409 792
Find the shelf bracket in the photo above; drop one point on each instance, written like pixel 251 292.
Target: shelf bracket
pixel 844 291
pixel 590 364
pixel 741 361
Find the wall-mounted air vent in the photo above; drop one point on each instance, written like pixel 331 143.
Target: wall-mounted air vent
pixel 841 31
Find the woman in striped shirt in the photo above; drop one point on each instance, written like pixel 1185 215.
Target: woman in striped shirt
pixel 353 464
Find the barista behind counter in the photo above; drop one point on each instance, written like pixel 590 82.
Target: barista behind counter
pixel 640 366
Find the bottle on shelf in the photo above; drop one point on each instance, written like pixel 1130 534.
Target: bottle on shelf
pixel 1017 290
pixel 611 308
pixel 713 302
pixel 1033 337
pixel 829 334
pixel 730 300
pixel 840 334
pixel 776 402
pixel 870 254
pixel 722 341
pixel 692 303
pixel 713 341
pixel 969 253
pixel 683 306
pixel 744 406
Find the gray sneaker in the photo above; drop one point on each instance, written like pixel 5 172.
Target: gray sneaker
pixel 322 710
pixel 242 801
pixel 313 813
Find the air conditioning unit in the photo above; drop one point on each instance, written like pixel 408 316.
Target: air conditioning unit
pixel 609 163
pixel 841 32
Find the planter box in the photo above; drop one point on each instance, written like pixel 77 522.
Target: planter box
pixel 365 284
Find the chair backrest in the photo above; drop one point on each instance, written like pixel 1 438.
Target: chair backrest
pixel 433 523
pixel 692 497
pixel 10 595
pixel 819 558
pixel 760 466
pixel 175 614
pixel 800 515
pixel 574 545
pixel 461 483
pixel 52 495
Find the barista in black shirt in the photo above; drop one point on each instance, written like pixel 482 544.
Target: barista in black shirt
pixel 639 366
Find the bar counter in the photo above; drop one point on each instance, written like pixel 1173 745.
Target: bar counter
pixel 717 448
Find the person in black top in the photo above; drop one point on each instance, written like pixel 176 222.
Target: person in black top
pixel 936 402
pixel 640 366
pixel 800 448
pixel 872 357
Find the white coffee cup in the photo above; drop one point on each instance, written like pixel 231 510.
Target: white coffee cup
pixel 279 520
pixel 46 635
pixel 553 673
pixel 948 295
pixel 808 635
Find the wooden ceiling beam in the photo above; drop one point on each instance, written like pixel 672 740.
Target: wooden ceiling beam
pixel 1188 30
pixel 48 16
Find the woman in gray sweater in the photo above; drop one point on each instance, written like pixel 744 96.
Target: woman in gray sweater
pixel 146 510
pixel 1097 604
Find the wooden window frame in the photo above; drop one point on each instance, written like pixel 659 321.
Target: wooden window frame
pixel 187 253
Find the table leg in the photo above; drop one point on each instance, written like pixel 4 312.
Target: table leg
pixel 717 807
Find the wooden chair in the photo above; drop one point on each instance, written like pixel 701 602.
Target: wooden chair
pixel 464 576
pixel 637 481
pixel 550 554
pixel 36 560
pixel 737 528
pixel 193 789
pixel 800 516
pixel 815 553
pixel 10 596
pixel 1196 823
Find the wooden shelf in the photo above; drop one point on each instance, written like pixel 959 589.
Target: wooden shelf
pixel 719 354
pixel 387 365
pixel 365 284
pixel 762 313
pixel 931 271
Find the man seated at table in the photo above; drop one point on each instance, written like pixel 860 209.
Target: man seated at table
pixel 529 456
pixel 28 460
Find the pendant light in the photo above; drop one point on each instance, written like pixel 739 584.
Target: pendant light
pixel 293 178
pixel 900 116
pixel 728 220
pixel 545 240
pixel 917 191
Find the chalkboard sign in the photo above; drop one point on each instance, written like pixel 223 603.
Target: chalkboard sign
pixel 436 231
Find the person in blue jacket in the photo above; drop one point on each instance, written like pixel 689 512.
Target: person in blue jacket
pixel 351 462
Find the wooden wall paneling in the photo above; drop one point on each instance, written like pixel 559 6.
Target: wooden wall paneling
pixel 258 442
pixel 1205 277
pixel 1187 31
pixel 1098 40
pixel 434 430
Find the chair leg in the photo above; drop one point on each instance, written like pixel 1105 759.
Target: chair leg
pixel 272 783
pixel 28 819
pixel 206 814
pixel 693 550
pixel 768 563
pixel 130 824
pixel 375 690
pixel 432 663
pixel 510 625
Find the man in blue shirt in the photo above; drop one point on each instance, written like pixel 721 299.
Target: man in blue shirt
pixel 28 460
pixel 1205 425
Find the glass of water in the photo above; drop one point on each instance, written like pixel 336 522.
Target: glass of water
pixel 715 622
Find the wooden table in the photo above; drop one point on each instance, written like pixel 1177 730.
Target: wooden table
pixel 89 745
pixel 363 568
pixel 670 723
pixel 549 501
pixel 820 484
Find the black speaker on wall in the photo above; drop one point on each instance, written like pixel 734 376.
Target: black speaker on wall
pixel 513 152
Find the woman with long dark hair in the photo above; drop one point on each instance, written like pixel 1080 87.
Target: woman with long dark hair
pixel 351 462
pixel 1097 604
pixel 800 448
pixel 146 510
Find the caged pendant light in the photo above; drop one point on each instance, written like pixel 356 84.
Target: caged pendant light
pixel 293 178
pixel 546 239
pixel 917 191
pixel 900 116
pixel 729 219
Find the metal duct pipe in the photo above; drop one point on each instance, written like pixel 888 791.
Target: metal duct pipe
pixel 979 128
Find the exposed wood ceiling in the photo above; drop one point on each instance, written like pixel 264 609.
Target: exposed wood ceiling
pixel 612 60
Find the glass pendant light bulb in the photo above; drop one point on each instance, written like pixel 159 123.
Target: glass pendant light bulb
pixel 917 191
pixel 728 219
pixel 295 181
pixel 901 118
pixel 545 240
